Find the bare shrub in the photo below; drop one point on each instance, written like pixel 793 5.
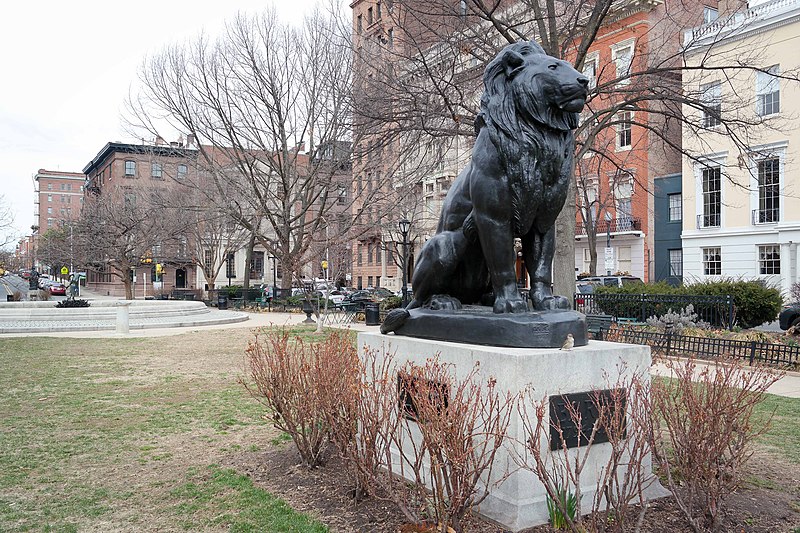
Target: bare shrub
pixel 624 417
pixel 704 432
pixel 44 294
pixel 298 382
pixel 446 447
pixel 795 292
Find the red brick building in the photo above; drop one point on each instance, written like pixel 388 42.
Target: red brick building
pixel 59 197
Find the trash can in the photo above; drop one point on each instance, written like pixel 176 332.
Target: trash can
pixel 222 300
pixel 372 314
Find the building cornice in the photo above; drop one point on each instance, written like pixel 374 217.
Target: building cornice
pixel 156 150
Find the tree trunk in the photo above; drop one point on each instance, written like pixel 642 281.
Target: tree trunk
pixel 564 260
pixel 248 258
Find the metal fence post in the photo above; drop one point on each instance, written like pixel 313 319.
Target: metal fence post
pixel 642 312
pixel 752 352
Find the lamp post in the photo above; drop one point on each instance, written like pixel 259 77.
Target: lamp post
pixel 609 257
pixel 274 277
pixel 404 225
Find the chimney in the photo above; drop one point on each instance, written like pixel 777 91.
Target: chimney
pixel 160 141
pixel 191 140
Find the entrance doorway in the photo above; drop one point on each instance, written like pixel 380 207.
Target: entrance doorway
pixel 180 278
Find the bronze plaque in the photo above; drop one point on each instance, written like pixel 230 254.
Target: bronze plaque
pixel 588 404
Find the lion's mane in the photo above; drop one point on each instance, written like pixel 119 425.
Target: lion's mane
pixel 521 123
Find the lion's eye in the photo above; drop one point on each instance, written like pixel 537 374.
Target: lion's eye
pixel 552 67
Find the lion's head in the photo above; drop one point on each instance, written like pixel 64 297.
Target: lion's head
pixel 526 87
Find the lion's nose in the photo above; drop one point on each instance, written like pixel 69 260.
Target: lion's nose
pixel 583 81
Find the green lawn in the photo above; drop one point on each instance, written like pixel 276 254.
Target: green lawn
pixel 115 433
pixel 133 434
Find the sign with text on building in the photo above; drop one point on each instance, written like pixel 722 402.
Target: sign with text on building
pixel 64 271
pixel 609 263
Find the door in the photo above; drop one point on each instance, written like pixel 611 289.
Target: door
pixel 180 278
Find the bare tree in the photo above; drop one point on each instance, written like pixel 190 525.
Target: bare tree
pixel 271 107
pixel 7 233
pixel 120 228
pixel 427 85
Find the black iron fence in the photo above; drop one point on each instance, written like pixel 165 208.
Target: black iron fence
pixel 703 347
pixel 718 311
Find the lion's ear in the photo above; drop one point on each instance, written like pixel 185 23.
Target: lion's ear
pixel 511 60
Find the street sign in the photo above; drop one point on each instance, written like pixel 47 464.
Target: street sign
pixel 64 271
pixel 609 263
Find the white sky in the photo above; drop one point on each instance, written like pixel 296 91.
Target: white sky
pixel 65 71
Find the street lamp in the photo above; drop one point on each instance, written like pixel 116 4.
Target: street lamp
pixel 404 225
pixel 274 277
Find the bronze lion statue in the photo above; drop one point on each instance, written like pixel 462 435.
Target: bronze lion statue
pixel 515 186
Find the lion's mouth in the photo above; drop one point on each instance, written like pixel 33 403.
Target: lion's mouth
pixel 573 101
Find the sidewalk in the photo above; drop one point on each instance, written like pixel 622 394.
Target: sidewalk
pixel 788 386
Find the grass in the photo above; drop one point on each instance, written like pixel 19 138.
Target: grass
pixel 100 431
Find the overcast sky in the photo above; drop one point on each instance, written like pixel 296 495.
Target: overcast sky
pixel 65 71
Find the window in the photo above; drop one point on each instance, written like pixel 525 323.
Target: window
pixel 49 186
pixel 63 198
pixel 768 96
pixel 590 70
pixel 49 210
pixel 378 13
pixel 624 259
pixel 712 262
pixel 676 263
pixel 130 168
pixel 359 24
pixel 711 100
pixel 63 186
pixel 624 128
pixel 378 253
pixel 182 171
pixel 369 254
pixel 622 55
pixel 709 15
pixel 769 259
pixel 342 194
pixel 360 284
pixel 369 16
pixel 675 207
pixel 130 200
pixel 359 258
pixel 208 260
pixel 230 266
pixel 391 37
pixel 155 170
pixel 377 281
pixel 257 265
pixel 462 7
pixel 712 197
pixel 49 197
pixel 768 190
pixel 69 186
pixel 369 281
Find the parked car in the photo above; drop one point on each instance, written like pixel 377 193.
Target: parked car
pixel 381 293
pixel 612 281
pixel 790 316
pixel 359 298
pixel 57 289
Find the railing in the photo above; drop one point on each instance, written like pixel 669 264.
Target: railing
pixel 617 225
pixel 716 310
pixel 708 348
pixel 739 19
pixel 708 221
pixel 766 216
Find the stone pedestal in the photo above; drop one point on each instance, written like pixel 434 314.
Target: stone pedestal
pixel 520 501
pixel 123 317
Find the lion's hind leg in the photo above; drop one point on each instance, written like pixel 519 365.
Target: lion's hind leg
pixel 437 262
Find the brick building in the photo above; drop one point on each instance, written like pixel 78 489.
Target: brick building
pixel 59 197
pixel 119 172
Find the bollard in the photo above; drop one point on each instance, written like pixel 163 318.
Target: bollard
pixel 123 317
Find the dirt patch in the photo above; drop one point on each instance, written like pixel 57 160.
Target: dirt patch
pixel 768 503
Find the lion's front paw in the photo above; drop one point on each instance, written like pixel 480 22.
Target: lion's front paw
pixel 547 303
pixel 509 305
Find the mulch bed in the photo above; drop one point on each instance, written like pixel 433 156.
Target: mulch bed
pixel 771 506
